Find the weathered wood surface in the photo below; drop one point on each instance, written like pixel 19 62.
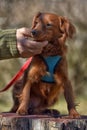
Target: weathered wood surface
pixel 40 122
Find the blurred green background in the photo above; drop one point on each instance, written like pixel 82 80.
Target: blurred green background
pixel 19 13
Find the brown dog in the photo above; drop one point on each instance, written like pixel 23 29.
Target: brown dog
pixel 42 82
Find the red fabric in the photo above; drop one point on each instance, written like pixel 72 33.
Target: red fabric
pixel 18 75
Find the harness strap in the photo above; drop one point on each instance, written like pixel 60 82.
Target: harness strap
pixel 18 75
pixel 51 62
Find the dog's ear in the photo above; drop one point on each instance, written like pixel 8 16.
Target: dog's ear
pixel 35 17
pixel 66 27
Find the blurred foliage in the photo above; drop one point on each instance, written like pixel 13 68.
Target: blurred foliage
pixel 19 13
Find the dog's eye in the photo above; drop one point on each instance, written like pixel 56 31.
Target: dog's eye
pixel 36 22
pixel 48 25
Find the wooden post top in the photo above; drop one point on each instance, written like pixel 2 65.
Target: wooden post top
pixel 12 121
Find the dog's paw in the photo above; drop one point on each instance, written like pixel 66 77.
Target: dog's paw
pixel 22 111
pixel 74 114
pixel 51 112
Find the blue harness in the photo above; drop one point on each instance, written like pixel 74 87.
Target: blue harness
pixel 51 63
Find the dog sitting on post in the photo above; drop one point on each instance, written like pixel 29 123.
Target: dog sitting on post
pixel 47 75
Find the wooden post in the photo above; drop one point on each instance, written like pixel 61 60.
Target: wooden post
pixel 40 122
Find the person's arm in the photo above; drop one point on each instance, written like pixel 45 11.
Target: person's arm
pixel 8 44
pixel 14 43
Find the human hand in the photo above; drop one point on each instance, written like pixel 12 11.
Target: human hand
pixel 27 47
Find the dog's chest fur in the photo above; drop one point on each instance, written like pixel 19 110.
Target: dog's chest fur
pixel 52 49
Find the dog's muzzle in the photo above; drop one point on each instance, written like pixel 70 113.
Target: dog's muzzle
pixel 34 32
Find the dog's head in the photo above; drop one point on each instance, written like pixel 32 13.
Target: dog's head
pixel 51 27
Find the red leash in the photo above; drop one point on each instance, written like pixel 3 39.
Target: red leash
pixel 17 76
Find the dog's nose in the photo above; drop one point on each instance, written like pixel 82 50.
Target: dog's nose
pixel 34 32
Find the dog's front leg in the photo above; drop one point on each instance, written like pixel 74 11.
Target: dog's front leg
pixel 61 77
pixel 69 96
pixel 33 76
pixel 63 81
pixel 24 99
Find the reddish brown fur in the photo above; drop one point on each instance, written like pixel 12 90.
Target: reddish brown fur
pixel 30 93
